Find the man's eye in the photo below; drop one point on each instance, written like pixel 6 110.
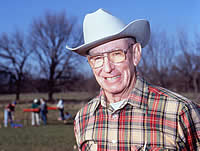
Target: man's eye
pixel 98 58
pixel 118 53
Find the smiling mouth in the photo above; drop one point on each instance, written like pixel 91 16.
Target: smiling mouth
pixel 112 78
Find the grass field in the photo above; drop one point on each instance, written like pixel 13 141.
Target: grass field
pixel 26 97
pixel 56 136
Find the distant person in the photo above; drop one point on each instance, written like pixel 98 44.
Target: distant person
pixel 43 110
pixel 129 114
pixel 8 113
pixel 60 107
pixel 36 112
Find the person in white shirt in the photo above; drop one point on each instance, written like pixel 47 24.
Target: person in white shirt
pixel 36 112
pixel 60 107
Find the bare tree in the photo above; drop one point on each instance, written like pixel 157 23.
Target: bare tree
pixel 188 62
pixel 49 36
pixel 196 59
pixel 157 59
pixel 14 53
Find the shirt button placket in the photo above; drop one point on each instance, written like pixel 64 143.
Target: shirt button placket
pixel 114 141
pixel 114 116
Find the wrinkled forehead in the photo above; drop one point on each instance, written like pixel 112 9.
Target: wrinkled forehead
pixel 110 46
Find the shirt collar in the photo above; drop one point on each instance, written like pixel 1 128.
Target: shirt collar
pixel 139 94
pixel 138 97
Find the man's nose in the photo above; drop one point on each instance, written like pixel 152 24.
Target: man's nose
pixel 108 66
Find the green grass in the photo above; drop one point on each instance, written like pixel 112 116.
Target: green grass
pixel 43 138
pixel 56 136
pixel 75 96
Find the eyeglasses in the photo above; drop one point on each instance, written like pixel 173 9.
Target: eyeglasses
pixel 114 56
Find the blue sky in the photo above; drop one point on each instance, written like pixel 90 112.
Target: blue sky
pixel 163 14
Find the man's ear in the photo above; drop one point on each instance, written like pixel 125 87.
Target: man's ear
pixel 137 51
pixel 89 61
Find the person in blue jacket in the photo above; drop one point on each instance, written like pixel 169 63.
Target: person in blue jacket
pixel 43 110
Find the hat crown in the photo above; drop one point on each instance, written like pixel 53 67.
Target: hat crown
pixel 100 24
pixel 101 27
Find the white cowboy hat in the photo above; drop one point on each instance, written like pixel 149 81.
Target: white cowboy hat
pixel 101 27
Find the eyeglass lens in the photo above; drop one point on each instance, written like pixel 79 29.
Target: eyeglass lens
pixel 114 56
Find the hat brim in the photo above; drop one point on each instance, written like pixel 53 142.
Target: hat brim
pixel 138 29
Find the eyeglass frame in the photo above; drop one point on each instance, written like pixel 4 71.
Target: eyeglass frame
pixel 112 50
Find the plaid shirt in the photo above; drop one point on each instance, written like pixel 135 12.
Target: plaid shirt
pixel 151 118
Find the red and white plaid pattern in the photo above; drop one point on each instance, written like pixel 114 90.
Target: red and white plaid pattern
pixel 152 118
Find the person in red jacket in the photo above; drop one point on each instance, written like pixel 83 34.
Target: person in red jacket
pixel 8 113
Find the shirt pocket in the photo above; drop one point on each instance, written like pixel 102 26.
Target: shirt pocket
pixel 149 148
pixel 89 146
pixel 135 148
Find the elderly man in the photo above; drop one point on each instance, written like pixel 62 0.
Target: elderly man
pixel 129 113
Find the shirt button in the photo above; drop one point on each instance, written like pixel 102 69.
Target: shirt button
pixel 114 141
pixel 114 116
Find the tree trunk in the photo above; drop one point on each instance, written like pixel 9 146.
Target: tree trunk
pixel 195 85
pixel 18 91
pixel 17 96
pixel 51 89
pixel 50 96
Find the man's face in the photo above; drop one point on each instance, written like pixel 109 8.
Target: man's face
pixel 115 78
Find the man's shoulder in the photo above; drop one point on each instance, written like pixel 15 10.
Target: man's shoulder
pixel 170 96
pixel 88 108
pixel 170 103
